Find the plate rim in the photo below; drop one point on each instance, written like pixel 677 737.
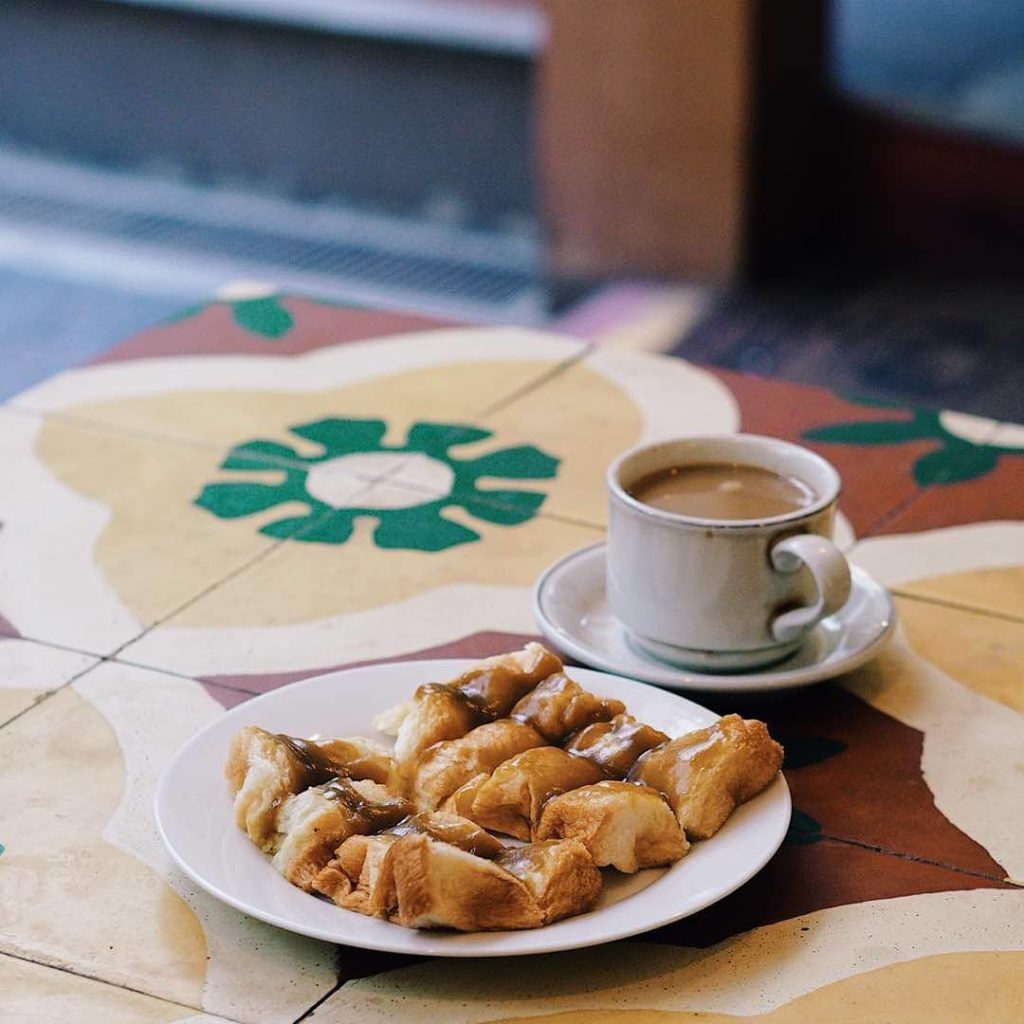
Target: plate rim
pixel 683 680
pixel 433 944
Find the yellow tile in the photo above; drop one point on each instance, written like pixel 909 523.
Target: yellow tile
pixel 978 650
pixel 102 535
pixel 222 400
pixel 958 987
pixel 996 590
pixel 305 582
pixel 33 994
pixel 604 404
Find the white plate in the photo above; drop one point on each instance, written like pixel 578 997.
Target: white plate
pixel 571 607
pixel 194 816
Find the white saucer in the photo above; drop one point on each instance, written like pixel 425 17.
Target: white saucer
pixel 572 610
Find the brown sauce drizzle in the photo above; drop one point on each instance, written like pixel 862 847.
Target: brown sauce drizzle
pixel 318 766
pixel 615 746
pixel 461 833
pixel 496 690
pixel 375 815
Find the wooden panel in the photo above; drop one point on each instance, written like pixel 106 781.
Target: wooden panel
pixel 642 127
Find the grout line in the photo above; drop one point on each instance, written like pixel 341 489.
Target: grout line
pixel 323 999
pixel 210 588
pixel 957 606
pixel 546 377
pixel 271 462
pixel 63 969
pixel 47 694
pixel 55 645
pixel 916 858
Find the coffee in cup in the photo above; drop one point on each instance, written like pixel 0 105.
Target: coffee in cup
pixel 719 549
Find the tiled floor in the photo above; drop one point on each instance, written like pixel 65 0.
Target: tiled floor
pixel 155 564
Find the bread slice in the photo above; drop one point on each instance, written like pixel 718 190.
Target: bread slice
pixel 510 801
pixel 444 767
pixel 264 769
pixel 558 706
pixel 614 745
pixel 561 876
pixel 707 773
pixel 441 886
pixel 315 822
pixel 622 825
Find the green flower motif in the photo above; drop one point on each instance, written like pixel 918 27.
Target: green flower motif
pixel 965 451
pixel 349 480
pixel 263 315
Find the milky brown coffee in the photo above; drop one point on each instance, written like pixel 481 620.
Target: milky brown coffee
pixel 721 490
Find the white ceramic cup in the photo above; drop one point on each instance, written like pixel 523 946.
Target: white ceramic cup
pixel 723 594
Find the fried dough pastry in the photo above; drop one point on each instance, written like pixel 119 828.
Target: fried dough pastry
pixel 558 706
pixel 445 711
pixel 360 876
pixel 438 713
pixel 445 766
pixel 314 823
pixel 614 746
pixel 461 801
pixel 453 829
pixel 561 876
pixel 441 886
pixel 496 684
pixel 511 800
pixel 623 825
pixel 707 773
pixel 264 769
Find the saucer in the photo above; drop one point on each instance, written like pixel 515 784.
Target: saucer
pixel 572 610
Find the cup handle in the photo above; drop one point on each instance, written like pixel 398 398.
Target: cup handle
pixel 831 575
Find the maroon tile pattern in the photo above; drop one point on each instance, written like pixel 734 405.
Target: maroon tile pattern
pixel 998 495
pixel 802 879
pixel 876 480
pixel 478 645
pixel 215 331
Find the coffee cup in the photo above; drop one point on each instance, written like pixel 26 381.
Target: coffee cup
pixel 720 555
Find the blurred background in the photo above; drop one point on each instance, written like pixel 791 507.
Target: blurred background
pixel 827 191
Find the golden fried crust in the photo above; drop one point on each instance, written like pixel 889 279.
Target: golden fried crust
pixel 453 829
pixel 444 767
pixel 558 707
pixel 561 876
pixel 438 713
pixel 440 886
pixel 511 800
pixel 707 773
pixel 497 683
pixel 461 801
pixel 262 773
pixel 623 825
pixel 264 769
pixel 315 822
pixel 445 711
pixel 614 746
pixel 360 758
pixel 364 864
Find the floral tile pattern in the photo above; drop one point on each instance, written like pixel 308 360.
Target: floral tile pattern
pixel 269 487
